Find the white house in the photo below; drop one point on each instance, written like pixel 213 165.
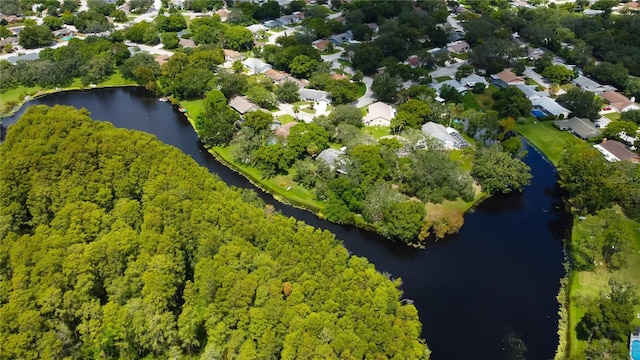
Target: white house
pixel 379 114
pixel 550 107
pixel 256 66
pixel 531 93
pixel 449 137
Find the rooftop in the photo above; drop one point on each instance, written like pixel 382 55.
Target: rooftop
pixel 581 127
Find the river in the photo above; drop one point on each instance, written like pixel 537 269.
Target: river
pixel 487 292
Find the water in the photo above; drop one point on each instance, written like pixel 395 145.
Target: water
pixel 488 292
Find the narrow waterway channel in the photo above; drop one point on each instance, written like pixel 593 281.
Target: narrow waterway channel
pixel 488 292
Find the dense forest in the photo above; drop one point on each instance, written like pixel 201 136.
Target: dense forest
pixel 114 245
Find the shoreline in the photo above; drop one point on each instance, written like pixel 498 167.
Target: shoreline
pixel 42 93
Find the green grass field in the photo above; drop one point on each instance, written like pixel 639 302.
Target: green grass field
pixel 442 78
pixel 546 138
pixel 469 101
pixel 194 107
pixel 589 284
pixel 377 131
pixel 285 119
pixel 613 116
pixel 362 89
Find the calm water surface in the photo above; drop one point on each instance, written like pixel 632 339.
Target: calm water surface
pixel 487 292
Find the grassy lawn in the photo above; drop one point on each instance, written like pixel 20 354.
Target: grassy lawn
pixel 470 101
pixel 589 284
pixel 362 89
pixel 442 78
pixel 285 119
pixel 463 56
pixel 463 157
pixel 194 107
pixel 530 81
pixel 545 137
pixel 308 110
pixel 613 116
pixel 281 186
pixel 16 95
pixel 117 80
pixel 377 131
pixel 485 100
pixel 344 62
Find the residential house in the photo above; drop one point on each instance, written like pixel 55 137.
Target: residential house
pixel 506 78
pixel 232 55
pixel 455 36
pixel 333 158
pixel 335 76
pixel 63 32
pixel 26 57
pixel 373 27
pixel 272 24
pixel 619 102
pixel 616 151
pixel 448 137
pixel 339 39
pixel 321 44
pixel 299 15
pixel 379 114
pixel 314 95
pixel 256 27
pixel 582 128
pixel 473 79
pixel 242 105
pixel 224 14
pixel 413 61
pixel 256 65
pixel 549 107
pixel 284 130
pixel 458 47
pixel 437 51
pixel 531 93
pixel 162 59
pixel 453 83
pixel 10 19
pixel 586 84
pixel 187 43
pixel 8 41
pixel 534 53
pixel 289 19
pixel 276 76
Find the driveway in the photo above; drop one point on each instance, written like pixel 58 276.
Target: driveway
pixel 447 71
pixel 368 97
pixel 530 73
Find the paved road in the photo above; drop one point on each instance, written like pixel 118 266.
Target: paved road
pixel 447 71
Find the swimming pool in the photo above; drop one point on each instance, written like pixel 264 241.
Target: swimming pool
pixel 635 350
pixel 67 38
pixel 538 113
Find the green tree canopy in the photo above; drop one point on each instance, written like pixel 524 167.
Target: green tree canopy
pixel 500 172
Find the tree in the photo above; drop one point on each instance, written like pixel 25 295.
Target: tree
pixel 558 74
pixel 631 115
pixel 367 58
pixel 119 16
pixel 172 23
pixel 511 102
pixel 302 66
pixel 346 114
pixel 191 83
pixel 608 73
pixel 385 87
pixel 450 94
pixel 403 220
pixel 238 38
pixel 493 54
pixel 216 125
pixel 207 35
pixel 52 22
pixel 366 165
pixel 139 6
pixel 35 36
pixel 4 32
pixel 258 120
pixel 464 71
pixel 581 103
pixel 499 172
pixel 307 139
pixel 342 91
pixel 615 129
pixel 170 40
pixel 611 316
pixel 288 92
pixel 262 97
pixel 232 84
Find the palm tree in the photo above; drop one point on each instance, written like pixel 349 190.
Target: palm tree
pixel 296 110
